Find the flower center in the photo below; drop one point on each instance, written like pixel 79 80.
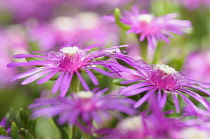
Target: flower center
pixel 70 51
pixel 165 77
pixel 131 124
pixel 193 133
pixel 85 94
pixel 147 18
pixel 165 68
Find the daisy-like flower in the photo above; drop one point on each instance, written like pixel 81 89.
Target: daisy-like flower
pixel 69 61
pixel 163 81
pixel 152 28
pixel 83 108
pixel 130 128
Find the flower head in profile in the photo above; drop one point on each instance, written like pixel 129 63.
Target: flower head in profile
pixel 83 108
pixel 164 81
pixel 152 28
pixel 67 62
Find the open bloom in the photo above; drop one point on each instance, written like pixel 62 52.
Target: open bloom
pixel 164 81
pixel 129 128
pixel 154 28
pixel 147 125
pixel 69 61
pixel 83 108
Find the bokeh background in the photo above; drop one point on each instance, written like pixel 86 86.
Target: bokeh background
pixel 42 25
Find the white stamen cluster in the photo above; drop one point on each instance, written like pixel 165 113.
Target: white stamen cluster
pixel 70 50
pixel 131 124
pixel 64 23
pixel 194 133
pixel 145 18
pixel 85 94
pixel 165 68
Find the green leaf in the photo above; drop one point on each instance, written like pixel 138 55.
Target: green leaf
pixel 14 131
pixel 117 15
pixel 24 117
pixel 27 122
pixel 3 131
pixel 55 77
pixel 46 128
pixel 102 58
pixel 170 99
pixel 117 81
pixel 32 58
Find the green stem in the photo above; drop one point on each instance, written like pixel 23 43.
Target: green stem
pixel 74 88
pixel 144 50
pixel 157 56
pixel 117 15
pixel 75 83
pixel 85 136
pixel 72 132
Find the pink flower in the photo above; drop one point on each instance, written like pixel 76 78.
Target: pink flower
pixel 70 61
pixel 82 108
pixel 152 28
pixel 162 81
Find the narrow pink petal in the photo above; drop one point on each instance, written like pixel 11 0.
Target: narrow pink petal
pixel 162 102
pixel 28 73
pixel 102 71
pixel 199 98
pixel 159 95
pixel 186 100
pixel 92 76
pixel 176 102
pixel 57 83
pixel 36 62
pixel 47 78
pixel 84 84
pixel 137 91
pixel 29 55
pixel 144 98
pixel 201 89
pixel 130 81
pixel 65 84
pixel 135 86
pixel 35 77
pixel 150 42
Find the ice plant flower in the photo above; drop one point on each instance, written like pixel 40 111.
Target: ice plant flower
pixel 130 128
pixel 152 28
pixel 164 81
pixel 70 61
pixel 83 108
